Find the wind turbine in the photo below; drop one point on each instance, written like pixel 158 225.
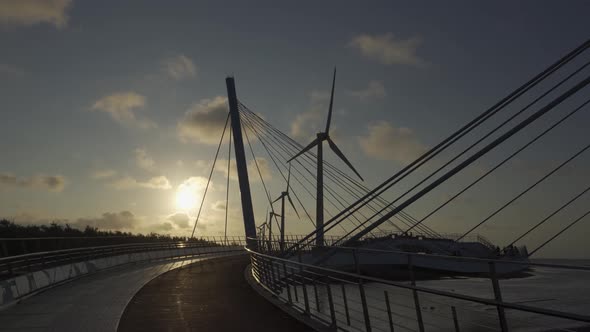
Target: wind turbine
pixel 262 231
pixel 268 222
pixel 282 198
pixel 321 137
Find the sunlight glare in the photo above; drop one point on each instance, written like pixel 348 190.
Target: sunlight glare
pixel 186 198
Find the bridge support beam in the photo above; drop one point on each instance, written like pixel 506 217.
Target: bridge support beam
pixel 241 165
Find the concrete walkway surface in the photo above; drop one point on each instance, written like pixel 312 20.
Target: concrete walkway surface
pixel 208 296
pixel 91 303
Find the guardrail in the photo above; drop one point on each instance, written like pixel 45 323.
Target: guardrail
pixel 25 275
pixel 351 301
pixel 21 246
pixel 21 264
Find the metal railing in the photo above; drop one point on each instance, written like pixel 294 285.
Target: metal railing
pixel 351 301
pixel 17 265
pixel 28 245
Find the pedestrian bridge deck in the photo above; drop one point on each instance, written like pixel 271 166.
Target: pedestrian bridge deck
pixel 97 302
pixel 208 296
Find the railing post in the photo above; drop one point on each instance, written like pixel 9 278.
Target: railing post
pixel 388 311
pixel 273 276
pixel 23 245
pixel 331 304
pixel 305 297
pixel 362 291
pixel 269 280
pixel 498 297
pixel 295 289
pixel 455 319
pixel 287 283
pixel 415 293
pixel 345 305
pixel 4 249
pixel 253 267
pixel 317 299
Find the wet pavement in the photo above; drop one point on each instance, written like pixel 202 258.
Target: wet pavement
pixel 208 296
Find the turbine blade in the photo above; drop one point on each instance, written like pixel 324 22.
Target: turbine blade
pixel 341 155
pixel 276 200
pixel 307 148
pixel 331 103
pixel 293 206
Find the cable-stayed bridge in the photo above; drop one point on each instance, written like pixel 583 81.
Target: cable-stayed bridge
pixel 375 256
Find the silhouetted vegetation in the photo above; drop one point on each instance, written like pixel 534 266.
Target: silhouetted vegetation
pixel 19 239
pixel 9 229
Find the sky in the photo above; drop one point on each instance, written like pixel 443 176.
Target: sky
pixel 111 111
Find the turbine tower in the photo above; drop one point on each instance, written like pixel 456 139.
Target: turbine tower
pixel 321 137
pixel 268 222
pixel 282 198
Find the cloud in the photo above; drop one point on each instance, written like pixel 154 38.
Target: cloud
pixel 103 174
pixel 144 161
pixel 47 182
pixel 264 168
pixel 180 219
pixel 385 142
pixel 14 13
pixel 164 227
pixel 34 218
pixel 374 90
pixel 388 50
pixel 180 67
pixel 157 182
pixel 204 121
pixel 194 185
pixel 120 106
pixel 263 165
pixel 307 124
pixel 110 220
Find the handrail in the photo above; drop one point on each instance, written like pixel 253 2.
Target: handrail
pixel 10 246
pixel 447 257
pixel 40 260
pixel 60 251
pixel 498 302
pixel 76 238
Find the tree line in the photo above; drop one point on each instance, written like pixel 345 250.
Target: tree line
pixel 10 229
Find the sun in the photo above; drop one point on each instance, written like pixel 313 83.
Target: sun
pixel 189 193
pixel 186 198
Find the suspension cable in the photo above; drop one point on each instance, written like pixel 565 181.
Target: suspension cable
pixel 210 175
pixel 464 130
pixel 550 215
pixel 502 163
pixel 310 159
pixel 289 142
pixel 523 124
pixel 266 191
pixel 277 166
pixel 559 233
pixel 525 191
pixel 334 194
pixel 477 142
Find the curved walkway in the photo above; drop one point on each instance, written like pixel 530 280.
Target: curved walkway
pixel 91 303
pixel 208 296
